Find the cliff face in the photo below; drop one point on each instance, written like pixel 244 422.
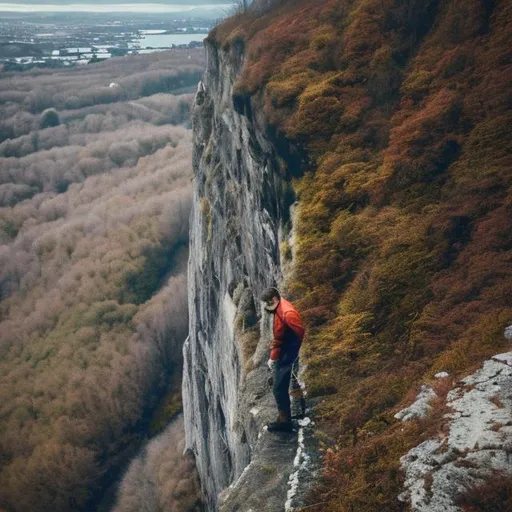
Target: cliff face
pixel 401 268
pixel 239 215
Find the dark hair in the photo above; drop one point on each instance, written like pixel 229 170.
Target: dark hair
pixel 269 293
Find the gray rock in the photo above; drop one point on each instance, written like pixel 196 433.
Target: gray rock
pixel 477 447
pixel 247 309
pixel 237 218
pixel 504 358
pixel 420 408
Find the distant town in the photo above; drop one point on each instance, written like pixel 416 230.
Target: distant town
pixel 76 38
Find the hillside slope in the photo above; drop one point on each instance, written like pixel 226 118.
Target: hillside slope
pixel 402 256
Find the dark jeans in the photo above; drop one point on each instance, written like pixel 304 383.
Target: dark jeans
pixel 282 377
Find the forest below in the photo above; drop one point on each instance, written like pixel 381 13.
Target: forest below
pixel 95 195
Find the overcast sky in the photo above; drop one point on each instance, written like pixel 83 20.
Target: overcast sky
pixel 167 2
pixel 115 6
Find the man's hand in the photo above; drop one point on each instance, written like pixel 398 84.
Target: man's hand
pixel 271 364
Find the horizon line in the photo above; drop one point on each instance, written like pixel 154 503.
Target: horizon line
pixel 153 7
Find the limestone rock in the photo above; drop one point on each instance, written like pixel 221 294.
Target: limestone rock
pixel 420 408
pixel 478 445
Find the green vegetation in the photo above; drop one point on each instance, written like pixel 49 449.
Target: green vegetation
pixel 49 118
pixel 206 211
pixel 168 409
pixel 404 223
pixel 248 341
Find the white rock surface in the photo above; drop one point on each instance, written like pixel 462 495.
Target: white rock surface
pixel 420 408
pixel 301 464
pixel 475 412
pixel 504 358
pixel 478 445
pixel 441 375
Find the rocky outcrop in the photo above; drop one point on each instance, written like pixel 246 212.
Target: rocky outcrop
pixel 239 216
pixel 420 408
pixel 476 447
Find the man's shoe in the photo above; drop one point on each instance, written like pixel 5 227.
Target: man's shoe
pixel 282 424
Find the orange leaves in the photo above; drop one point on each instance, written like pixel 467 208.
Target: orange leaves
pixel 422 146
pixel 493 496
pixel 316 316
pixel 414 134
pixel 284 92
pixel 70 467
pixel 323 37
pixel 483 168
pixel 347 186
pixel 272 41
pixel 463 21
pixel 471 292
pixel 416 85
pixel 315 115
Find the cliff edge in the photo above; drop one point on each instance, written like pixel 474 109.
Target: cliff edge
pixel 241 214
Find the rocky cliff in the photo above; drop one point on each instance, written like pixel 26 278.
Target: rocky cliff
pixel 242 212
pixel 400 244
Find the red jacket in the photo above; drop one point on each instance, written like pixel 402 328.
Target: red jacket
pixel 288 333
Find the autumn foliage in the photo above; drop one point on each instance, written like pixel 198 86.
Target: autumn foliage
pixel 93 295
pixel 403 266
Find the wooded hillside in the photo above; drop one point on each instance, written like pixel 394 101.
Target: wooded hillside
pixel 95 195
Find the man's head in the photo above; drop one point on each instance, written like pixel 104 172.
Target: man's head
pixel 271 297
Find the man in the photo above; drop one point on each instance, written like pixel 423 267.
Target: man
pixel 284 353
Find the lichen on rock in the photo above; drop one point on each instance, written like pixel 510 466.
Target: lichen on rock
pixel 478 445
pixel 420 408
